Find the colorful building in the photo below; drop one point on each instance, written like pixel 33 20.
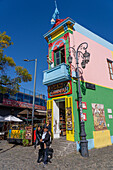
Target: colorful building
pixel 96 85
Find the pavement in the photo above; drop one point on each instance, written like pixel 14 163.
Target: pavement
pixel 17 157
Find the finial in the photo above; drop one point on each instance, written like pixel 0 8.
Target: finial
pixel 55 15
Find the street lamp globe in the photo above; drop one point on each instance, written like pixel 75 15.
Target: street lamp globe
pixel 83 64
pixel 86 57
pixel 70 59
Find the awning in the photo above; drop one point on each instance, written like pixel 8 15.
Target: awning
pixel 41 112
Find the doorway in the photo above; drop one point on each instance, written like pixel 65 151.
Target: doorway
pixel 54 107
pixel 62 117
pixel 59 118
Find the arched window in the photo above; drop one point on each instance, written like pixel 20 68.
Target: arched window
pixel 59 56
pixel 59 52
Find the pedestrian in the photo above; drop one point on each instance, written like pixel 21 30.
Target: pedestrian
pixel 49 128
pixel 45 142
pixel 38 136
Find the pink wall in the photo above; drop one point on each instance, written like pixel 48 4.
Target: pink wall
pixel 96 70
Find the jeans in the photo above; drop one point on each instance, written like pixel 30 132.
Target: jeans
pixel 41 152
pixel 46 155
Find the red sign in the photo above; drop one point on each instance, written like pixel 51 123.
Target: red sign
pixel 84 105
pixel 14 103
pixel 84 118
pixel 60 89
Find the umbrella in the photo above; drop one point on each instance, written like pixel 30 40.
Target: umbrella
pixel 1 119
pixel 12 118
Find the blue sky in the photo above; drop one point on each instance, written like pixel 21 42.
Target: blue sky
pixel 27 21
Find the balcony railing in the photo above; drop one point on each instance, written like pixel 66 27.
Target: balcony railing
pixel 57 74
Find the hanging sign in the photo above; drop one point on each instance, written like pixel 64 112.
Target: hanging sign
pixel 60 89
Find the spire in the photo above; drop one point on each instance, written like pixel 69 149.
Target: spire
pixel 55 15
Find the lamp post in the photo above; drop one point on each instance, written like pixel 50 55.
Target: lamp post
pixel 85 59
pixel 33 106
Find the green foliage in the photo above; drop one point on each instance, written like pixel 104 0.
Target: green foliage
pixel 25 142
pixel 21 74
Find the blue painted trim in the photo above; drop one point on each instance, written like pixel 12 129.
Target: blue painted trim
pixel 49 37
pixel 74 74
pixel 77 146
pixel 93 36
pixel 111 139
pixel 54 45
pixel 90 144
pixel 65 27
pixel 56 74
pixel 62 23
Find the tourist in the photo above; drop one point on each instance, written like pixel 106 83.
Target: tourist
pixel 38 136
pixel 45 143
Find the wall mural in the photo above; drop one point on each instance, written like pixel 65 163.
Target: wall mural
pixel 99 116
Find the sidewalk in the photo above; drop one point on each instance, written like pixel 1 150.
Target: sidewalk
pixel 16 157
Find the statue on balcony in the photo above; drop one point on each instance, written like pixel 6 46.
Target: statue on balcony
pixel 50 62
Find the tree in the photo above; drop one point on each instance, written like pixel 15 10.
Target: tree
pixel 7 82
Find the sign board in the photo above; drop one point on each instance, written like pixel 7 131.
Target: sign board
pixel 109 110
pixel 90 86
pixel 14 103
pixel 28 133
pixel 59 89
pixel 84 105
pixel 110 116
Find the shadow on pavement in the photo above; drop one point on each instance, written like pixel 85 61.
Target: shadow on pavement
pixel 8 149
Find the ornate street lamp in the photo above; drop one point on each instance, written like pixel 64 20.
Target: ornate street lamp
pixel 85 56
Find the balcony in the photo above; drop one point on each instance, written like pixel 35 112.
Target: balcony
pixel 57 74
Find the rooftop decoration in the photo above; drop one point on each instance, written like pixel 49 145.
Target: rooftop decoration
pixel 55 15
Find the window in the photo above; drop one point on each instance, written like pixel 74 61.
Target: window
pixel 59 56
pixel 20 97
pixel 110 66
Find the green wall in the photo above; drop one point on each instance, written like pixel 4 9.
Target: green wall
pixel 101 95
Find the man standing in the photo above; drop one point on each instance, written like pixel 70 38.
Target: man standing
pixel 45 141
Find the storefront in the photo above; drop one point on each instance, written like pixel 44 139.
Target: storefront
pixel 60 110
pixel 96 84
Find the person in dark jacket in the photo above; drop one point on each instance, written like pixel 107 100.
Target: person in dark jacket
pixel 49 128
pixel 38 136
pixel 46 143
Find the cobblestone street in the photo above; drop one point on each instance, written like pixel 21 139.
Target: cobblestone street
pixel 16 157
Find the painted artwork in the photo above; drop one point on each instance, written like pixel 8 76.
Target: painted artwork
pixel 69 118
pixel 99 116
pixel 49 114
pixel 28 134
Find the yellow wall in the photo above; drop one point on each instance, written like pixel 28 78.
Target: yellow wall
pixel 102 138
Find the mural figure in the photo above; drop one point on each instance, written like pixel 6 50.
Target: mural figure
pixel 99 116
